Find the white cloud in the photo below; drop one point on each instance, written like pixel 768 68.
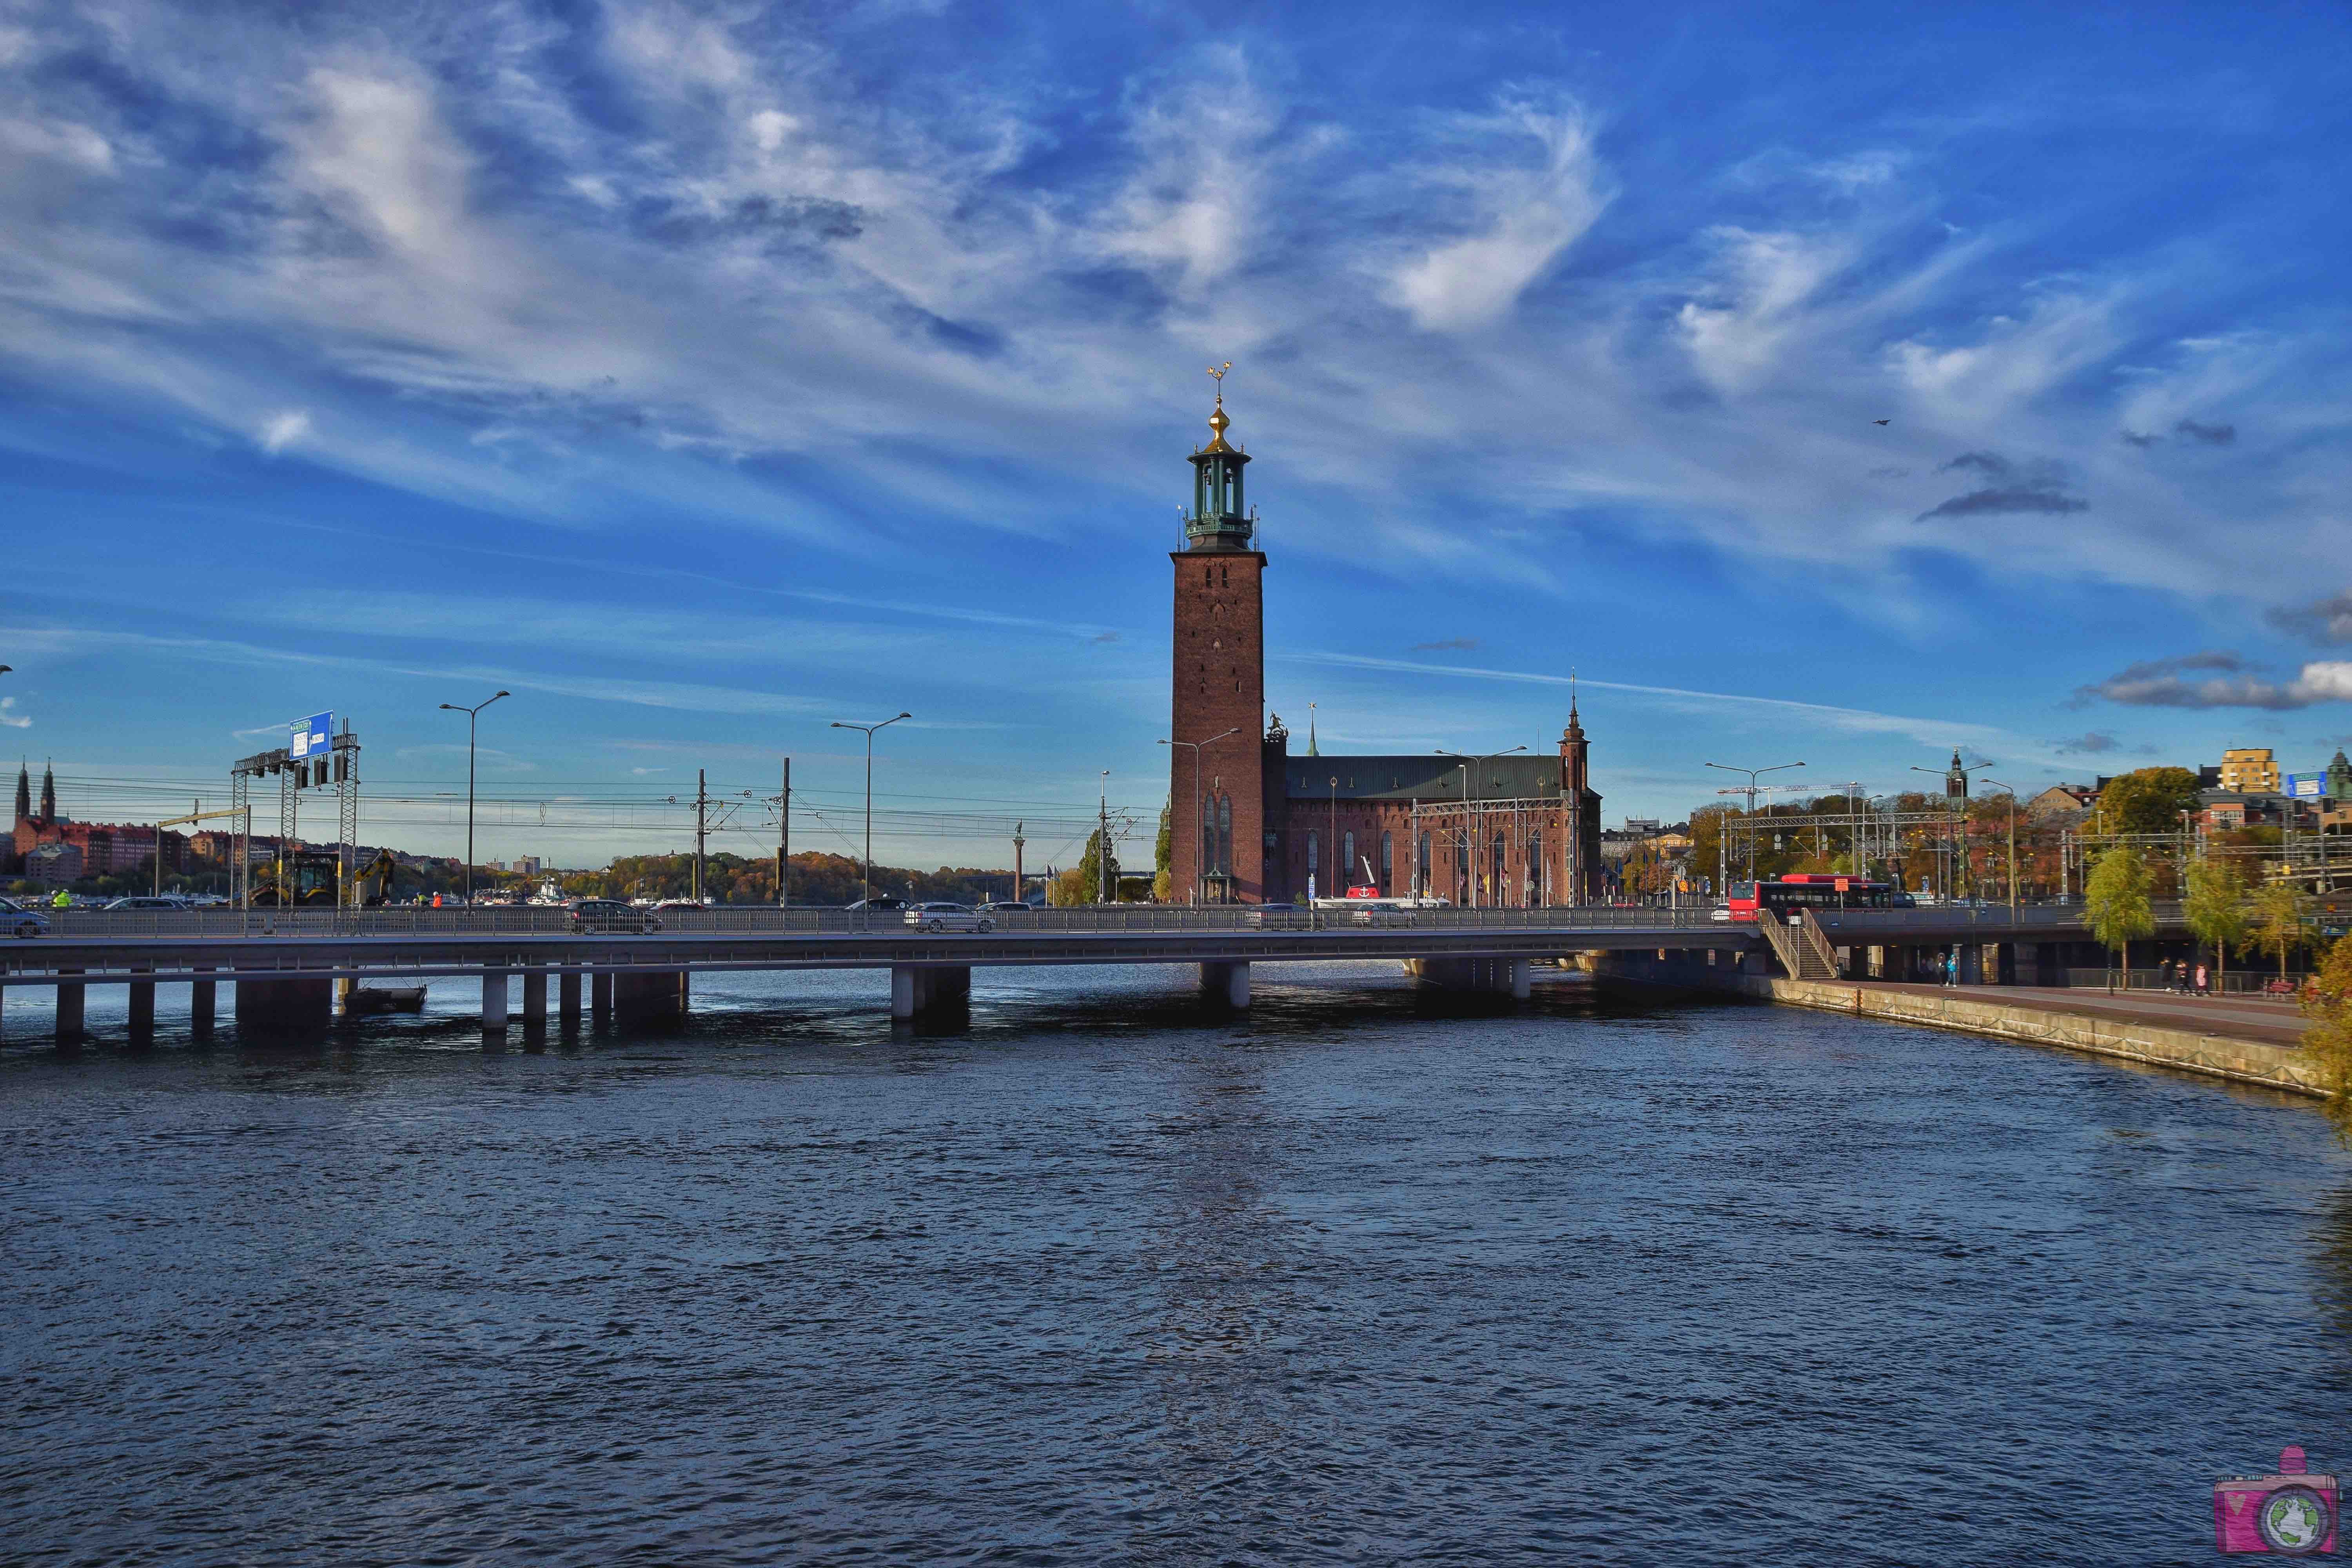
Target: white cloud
pixel 1762 282
pixel 282 430
pixel 11 718
pixel 1523 208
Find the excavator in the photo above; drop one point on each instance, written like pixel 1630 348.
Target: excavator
pixel 315 876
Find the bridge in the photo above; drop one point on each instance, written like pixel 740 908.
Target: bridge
pixel 289 966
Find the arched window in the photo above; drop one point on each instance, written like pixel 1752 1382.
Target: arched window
pixel 1388 866
pixel 1208 835
pixel 1225 834
pixel 1421 882
pixel 1347 872
pixel 1536 869
pixel 1496 886
pixel 1313 846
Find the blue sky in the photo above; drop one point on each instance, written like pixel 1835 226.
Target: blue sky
pixel 704 374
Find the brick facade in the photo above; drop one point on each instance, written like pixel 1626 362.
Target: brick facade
pixel 1219 685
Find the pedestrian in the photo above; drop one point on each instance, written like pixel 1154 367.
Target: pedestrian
pixel 2200 980
pixel 1952 967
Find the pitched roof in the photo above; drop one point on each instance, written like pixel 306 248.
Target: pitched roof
pixel 1421 777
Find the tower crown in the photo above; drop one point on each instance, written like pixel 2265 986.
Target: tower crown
pixel 1218 520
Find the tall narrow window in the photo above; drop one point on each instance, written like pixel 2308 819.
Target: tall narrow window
pixel 1347 859
pixel 1388 866
pixel 1422 883
pixel 1208 835
pixel 1536 869
pixel 1496 886
pixel 1313 846
pixel 1225 834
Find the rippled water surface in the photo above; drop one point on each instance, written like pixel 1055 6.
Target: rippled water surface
pixel 1103 1279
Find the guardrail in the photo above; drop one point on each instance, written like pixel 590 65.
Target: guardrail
pixel 764 921
pixel 1948 922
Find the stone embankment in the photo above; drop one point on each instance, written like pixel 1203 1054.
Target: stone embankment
pixel 1982 1011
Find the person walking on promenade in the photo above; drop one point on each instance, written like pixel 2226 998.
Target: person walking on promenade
pixel 2202 982
pixel 1952 967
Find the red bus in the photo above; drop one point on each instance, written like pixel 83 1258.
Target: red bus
pixel 1808 889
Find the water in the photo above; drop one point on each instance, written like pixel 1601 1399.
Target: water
pixel 1361 1278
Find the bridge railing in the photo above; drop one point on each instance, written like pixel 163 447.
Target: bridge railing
pixel 766 920
pixel 1842 927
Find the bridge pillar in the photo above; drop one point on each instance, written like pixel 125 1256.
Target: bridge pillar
pixel 494 1001
pixel 918 988
pixel 601 991
pixel 1502 976
pixel 1226 982
pixel 534 999
pixel 201 1003
pixel 143 1008
pixel 69 1009
pixel 567 998
pixel 649 995
pixel 280 1008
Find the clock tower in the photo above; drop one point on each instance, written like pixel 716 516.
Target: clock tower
pixel 1216 803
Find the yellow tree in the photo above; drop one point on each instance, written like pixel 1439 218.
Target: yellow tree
pixel 2215 907
pixel 2278 920
pixel 2327 1002
pixel 2115 903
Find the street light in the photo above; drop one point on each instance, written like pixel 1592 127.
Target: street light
pixel 868 730
pixel 469 713
pixel 1468 835
pixel 1201 859
pixel 2011 790
pixel 1722 869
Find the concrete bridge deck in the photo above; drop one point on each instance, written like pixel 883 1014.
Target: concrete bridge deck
pixel 283 961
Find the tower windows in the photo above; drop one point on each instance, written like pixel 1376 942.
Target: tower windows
pixel 1388 866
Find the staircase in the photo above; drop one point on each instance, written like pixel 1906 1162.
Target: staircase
pixel 1803 949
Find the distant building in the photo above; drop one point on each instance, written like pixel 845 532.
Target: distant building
pixel 2059 802
pixel 1642 827
pixel 2250 770
pixel 53 863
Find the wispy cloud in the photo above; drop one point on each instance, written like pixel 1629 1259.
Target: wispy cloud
pixel 10 716
pixel 2327 620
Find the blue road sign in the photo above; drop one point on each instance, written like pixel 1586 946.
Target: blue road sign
pixel 312 736
pixel 2307 786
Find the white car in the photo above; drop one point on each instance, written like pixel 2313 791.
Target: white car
pixel 948 917
pixel 1720 912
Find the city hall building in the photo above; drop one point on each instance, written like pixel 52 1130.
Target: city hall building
pixel 1252 824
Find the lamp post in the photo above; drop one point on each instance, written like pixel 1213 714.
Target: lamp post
pixel 2010 790
pixel 469 713
pixel 868 731
pixel 1469 836
pixel 1955 795
pixel 1201 859
pixel 1722 867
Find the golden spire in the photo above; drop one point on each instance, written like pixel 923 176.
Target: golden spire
pixel 1218 423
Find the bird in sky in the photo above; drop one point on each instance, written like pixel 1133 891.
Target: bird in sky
pixel 1879 422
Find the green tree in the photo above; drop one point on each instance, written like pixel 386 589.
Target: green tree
pixel 2115 901
pixel 1163 856
pixel 2327 1002
pixel 1091 868
pixel 2278 920
pixel 2148 800
pixel 2216 907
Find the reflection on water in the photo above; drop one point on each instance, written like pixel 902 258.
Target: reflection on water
pixel 1094 1274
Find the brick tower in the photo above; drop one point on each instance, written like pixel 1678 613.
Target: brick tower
pixel 1216 798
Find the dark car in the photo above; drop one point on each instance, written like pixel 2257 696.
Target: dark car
pixel 879 902
pixel 592 916
pixel 1007 907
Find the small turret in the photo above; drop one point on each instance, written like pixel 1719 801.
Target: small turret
pixel 1218 520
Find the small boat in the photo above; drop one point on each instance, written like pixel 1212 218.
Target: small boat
pixel 364 1000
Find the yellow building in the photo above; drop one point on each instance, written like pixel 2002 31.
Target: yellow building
pixel 2249 768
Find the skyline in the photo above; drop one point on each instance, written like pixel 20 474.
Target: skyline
pixel 706 380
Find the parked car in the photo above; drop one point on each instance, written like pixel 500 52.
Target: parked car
pixel 590 917
pixel 1382 912
pixel 22 922
pixel 879 902
pixel 1007 907
pixel 1278 917
pixel 149 902
pixel 948 917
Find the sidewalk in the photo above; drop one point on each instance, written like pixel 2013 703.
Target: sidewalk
pixel 2243 1017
